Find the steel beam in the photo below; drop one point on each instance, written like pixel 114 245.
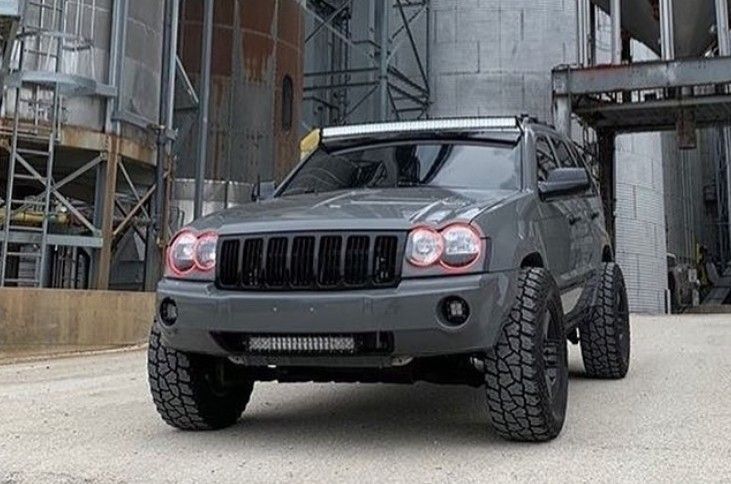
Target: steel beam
pixel 383 60
pixel 203 111
pixel 607 181
pixel 642 76
pixel 106 192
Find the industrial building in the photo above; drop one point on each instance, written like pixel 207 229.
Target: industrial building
pixel 122 120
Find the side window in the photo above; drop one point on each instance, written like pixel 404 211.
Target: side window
pixel 591 169
pixel 545 157
pixel 565 159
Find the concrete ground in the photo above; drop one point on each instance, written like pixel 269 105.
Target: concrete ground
pixel 91 419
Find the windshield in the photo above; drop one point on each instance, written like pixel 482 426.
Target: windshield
pixel 480 166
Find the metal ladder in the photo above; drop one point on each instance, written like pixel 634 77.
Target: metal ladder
pixel 32 146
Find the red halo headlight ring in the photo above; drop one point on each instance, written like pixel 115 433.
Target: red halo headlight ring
pixel 173 261
pixel 197 255
pixel 204 252
pixel 472 247
pixel 474 240
pixel 419 240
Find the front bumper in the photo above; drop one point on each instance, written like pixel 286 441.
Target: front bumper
pixel 409 313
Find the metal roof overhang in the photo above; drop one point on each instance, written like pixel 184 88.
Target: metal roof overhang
pixel 648 96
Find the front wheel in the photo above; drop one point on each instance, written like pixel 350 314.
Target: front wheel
pixel 527 375
pixel 192 392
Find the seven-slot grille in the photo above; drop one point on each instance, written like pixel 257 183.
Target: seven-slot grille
pixel 310 261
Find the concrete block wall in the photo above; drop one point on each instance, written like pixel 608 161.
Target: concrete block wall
pixel 494 57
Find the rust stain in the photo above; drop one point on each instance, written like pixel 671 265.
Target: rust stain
pixel 246 135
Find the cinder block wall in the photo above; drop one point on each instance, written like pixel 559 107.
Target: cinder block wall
pixel 494 57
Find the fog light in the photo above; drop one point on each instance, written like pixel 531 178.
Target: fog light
pixel 168 312
pixel 455 311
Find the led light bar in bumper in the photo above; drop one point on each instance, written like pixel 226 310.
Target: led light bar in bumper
pixel 301 344
pixel 429 125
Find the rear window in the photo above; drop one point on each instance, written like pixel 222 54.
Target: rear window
pixel 481 166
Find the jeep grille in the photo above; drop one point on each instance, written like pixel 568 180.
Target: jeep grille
pixel 310 261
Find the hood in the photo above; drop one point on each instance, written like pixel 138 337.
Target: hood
pixel 376 209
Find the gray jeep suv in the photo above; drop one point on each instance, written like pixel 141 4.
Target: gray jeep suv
pixel 458 251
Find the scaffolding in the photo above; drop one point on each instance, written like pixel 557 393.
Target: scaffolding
pixel 669 94
pixel 372 59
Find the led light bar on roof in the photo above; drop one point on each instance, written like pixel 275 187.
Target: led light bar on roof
pixel 429 125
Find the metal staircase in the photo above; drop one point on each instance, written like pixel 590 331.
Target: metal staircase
pixel 33 138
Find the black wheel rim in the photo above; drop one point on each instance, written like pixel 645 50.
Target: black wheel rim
pixel 553 356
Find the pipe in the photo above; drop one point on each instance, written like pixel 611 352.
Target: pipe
pixel 203 107
pixel 667 30
pixel 616 23
pixel 37 218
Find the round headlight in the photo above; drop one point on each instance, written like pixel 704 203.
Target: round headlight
pixel 181 255
pixel 425 247
pixel 205 251
pixel 462 246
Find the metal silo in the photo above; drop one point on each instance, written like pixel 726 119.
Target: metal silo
pixel 256 92
pixel 82 99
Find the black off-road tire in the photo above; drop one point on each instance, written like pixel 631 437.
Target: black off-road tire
pixel 184 390
pixel 526 376
pixel 605 334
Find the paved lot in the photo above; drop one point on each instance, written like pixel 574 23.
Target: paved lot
pixel 90 419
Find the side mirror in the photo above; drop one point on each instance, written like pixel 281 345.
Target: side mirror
pixel 564 182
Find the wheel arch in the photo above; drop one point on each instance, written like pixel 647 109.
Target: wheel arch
pixel 533 260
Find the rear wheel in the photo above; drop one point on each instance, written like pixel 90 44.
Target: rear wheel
pixel 191 391
pixel 605 335
pixel 527 374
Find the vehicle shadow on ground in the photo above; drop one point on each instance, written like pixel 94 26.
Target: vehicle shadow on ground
pixel 379 415
pixel 367 415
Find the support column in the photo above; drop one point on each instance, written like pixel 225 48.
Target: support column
pixel 582 41
pixel 724 49
pixel 106 191
pixel 607 179
pixel 383 58
pixel 562 114
pixel 156 236
pixel 203 109
pixel 616 23
pixel 667 30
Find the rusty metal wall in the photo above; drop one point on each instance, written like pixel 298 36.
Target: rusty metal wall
pixel 256 44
